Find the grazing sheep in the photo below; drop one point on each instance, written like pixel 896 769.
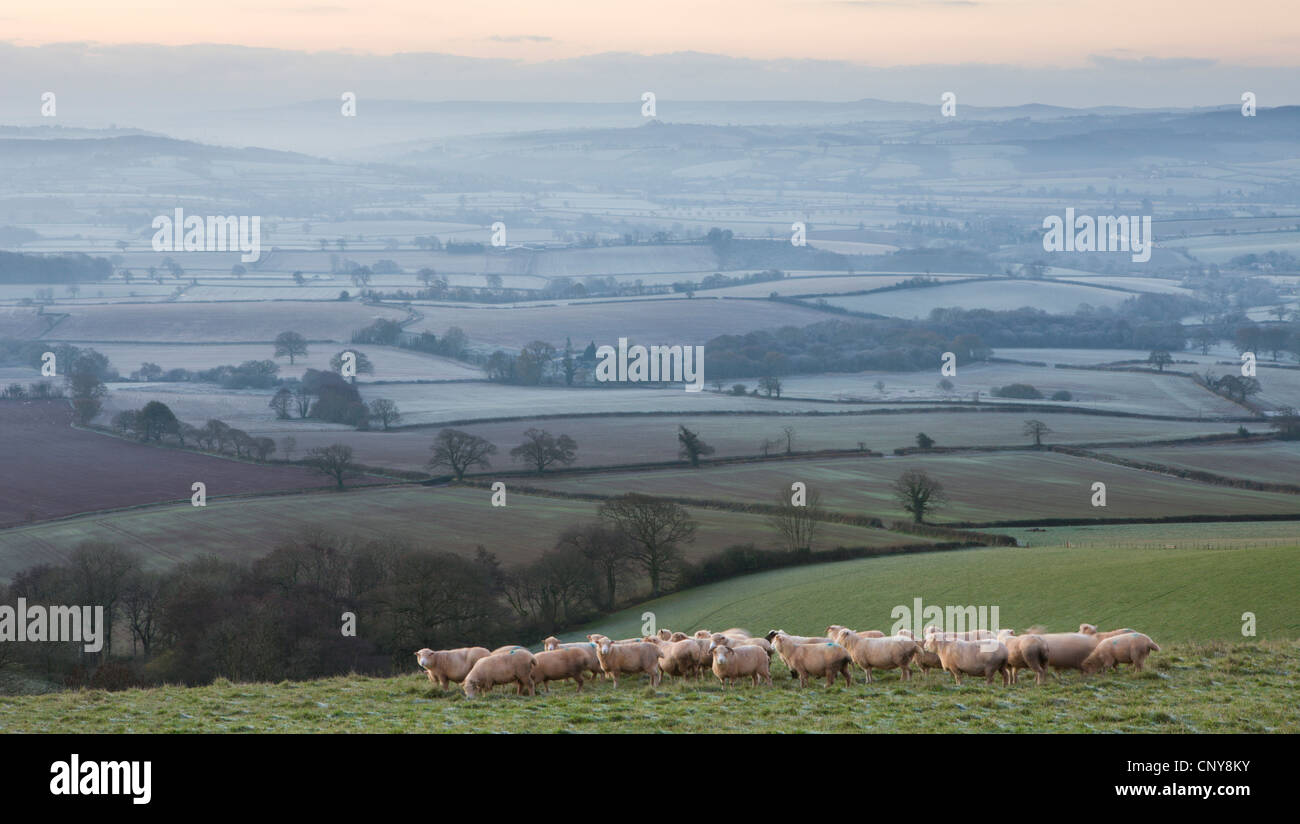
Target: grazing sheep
pixel 985 657
pixel 514 666
pixel 449 664
pixel 506 648
pixel 635 656
pixel 1131 648
pixel 1090 629
pixel 818 658
pixel 588 650
pixel 1025 652
pixel 558 665
pixel 730 663
pixel 1066 650
pixel 682 658
pixel 871 653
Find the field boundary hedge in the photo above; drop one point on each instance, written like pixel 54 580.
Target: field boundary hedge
pixel 1180 472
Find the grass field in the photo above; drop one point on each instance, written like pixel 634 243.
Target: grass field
pixel 1218 683
pixel 612 440
pixel 997 295
pixel 1269 461
pixel 447 519
pixel 668 322
pixel 982 487
pixel 1224 534
pixel 216 322
pixel 1188 688
pixel 1133 392
pixel 1172 595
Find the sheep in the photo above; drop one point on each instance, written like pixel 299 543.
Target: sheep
pixel 871 653
pixel 925 660
pixel 515 666
pixel 631 657
pixel 818 658
pixel 971 635
pixel 449 664
pixel 683 658
pixel 506 648
pixel 732 662
pixel 833 631
pixel 588 650
pixel 1131 648
pixel 984 657
pixel 744 640
pixel 1025 652
pixel 1090 629
pixel 799 639
pixel 559 664
pixel 1067 650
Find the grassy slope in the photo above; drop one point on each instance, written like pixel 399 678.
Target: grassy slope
pixel 1212 687
pixel 1172 595
pixel 1190 686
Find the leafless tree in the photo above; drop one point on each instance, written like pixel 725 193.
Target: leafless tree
pixel 655 528
pixel 459 450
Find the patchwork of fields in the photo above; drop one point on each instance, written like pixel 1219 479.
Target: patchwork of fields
pixel 450 520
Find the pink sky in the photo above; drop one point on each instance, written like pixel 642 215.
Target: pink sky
pixel 877 32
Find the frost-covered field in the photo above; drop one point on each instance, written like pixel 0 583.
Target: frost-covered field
pixel 996 295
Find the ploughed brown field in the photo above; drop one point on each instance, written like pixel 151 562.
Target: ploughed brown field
pixel 48 469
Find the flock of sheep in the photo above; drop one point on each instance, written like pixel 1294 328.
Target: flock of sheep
pixel 734 654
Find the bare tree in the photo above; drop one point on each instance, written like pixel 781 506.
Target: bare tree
pixel 141 607
pixel 542 449
pixel 797 525
pixel 655 528
pixel 385 411
pixel 100 572
pixel 334 461
pixel 1036 430
pixel 788 433
pixel 918 493
pixel 459 450
pixel 608 550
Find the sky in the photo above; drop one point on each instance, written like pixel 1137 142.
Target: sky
pixel 874 32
